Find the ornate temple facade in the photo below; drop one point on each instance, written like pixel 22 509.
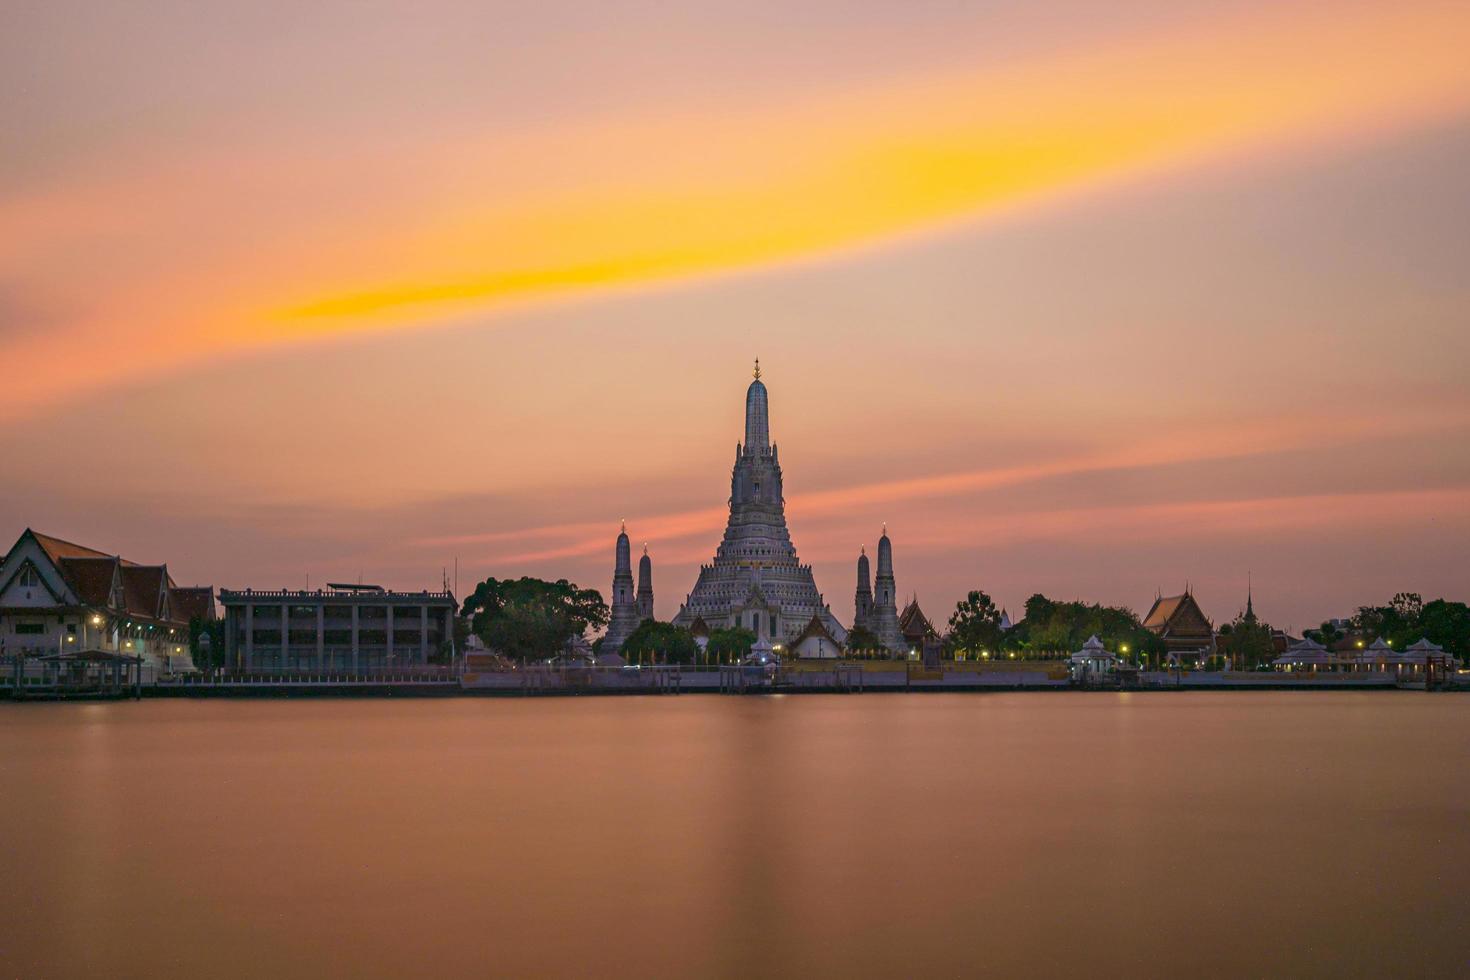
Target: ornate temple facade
pixel 755 580
pixel 1182 625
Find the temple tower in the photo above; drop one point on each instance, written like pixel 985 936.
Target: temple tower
pixel 624 619
pixel 863 602
pixel 645 586
pixel 756 581
pixel 883 619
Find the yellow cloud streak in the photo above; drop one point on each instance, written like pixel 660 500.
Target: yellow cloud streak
pixel 712 195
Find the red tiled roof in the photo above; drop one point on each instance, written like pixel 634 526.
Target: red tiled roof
pixel 58 549
pixel 142 588
pixel 1164 607
pixel 192 601
pixel 91 578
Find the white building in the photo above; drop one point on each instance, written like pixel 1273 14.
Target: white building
pixel 61 598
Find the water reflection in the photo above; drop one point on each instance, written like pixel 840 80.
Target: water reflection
pixel 879 835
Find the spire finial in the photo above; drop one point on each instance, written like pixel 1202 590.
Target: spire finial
pixel 645 547
pixel 623 526
pixel 757 369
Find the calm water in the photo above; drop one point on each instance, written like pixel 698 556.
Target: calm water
pixel 1169 834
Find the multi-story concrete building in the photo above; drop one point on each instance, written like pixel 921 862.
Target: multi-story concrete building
pixel 341 627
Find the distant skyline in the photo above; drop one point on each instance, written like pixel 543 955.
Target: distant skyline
pixel 1083 300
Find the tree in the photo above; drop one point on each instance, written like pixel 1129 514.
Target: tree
pixel 1247 642
pixel 1448 624
pixel 860 639
pixel 529 618
pixel 729 645
pixel 657 642
pixel 214 656
pixel 1055 626
pixel 975 625
pixel 1327 634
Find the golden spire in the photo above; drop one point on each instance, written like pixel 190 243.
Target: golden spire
pixel 757 369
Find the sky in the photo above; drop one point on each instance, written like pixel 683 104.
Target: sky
pixel 1095 300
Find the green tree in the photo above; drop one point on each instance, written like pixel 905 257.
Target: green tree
pixel 860 639
pixel 729 645
pixel 655 642
pixel 211 655
pixel 530 618
pixel 1247 642
pixel 1053 626
pixel 1327 634
pixel 975 625
pixel 1448 624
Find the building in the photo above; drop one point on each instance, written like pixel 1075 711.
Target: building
pixel 339 628
pixel 645 586
pixel 624 615
pixel 862 603
pixel 815 642
pixel 756 580
pixel 915 627
pixel 1186 631
pixel 883 616
pixel 61 598
pixel 1093 663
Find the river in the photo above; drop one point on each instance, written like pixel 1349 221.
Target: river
pixel 1052 834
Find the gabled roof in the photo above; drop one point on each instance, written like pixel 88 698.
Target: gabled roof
pixel 699 627
pixel 191 602
pixel 56 549
pixel 91 578
pixel 913 622
pixel 815 628
pixel 143 590
pixel 1170 612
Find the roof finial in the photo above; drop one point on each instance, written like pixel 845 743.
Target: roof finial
pixel 757 369
pixel 623 526
pixel 645 547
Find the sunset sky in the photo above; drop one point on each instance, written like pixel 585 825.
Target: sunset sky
pixel 1081 298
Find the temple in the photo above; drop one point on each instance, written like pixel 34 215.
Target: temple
pixel 645 586
pixel 882 618
pixel 624 619
pixel 1182 625
pixel 862 603
pixel 755 580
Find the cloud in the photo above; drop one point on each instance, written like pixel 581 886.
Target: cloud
pixel 212 252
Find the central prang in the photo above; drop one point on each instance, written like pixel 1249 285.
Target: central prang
pixel 756 580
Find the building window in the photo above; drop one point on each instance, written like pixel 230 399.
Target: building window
pixel 30 628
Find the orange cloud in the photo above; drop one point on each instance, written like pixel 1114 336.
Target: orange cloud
pixel 656 200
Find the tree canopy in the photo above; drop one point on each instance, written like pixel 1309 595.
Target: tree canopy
pixel 1247 642
pixel 860 639
pixel 727 645
pixel 975 625
pixel 1055 625
pixel 1407 618
pixel 656 642
pixel 529 618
